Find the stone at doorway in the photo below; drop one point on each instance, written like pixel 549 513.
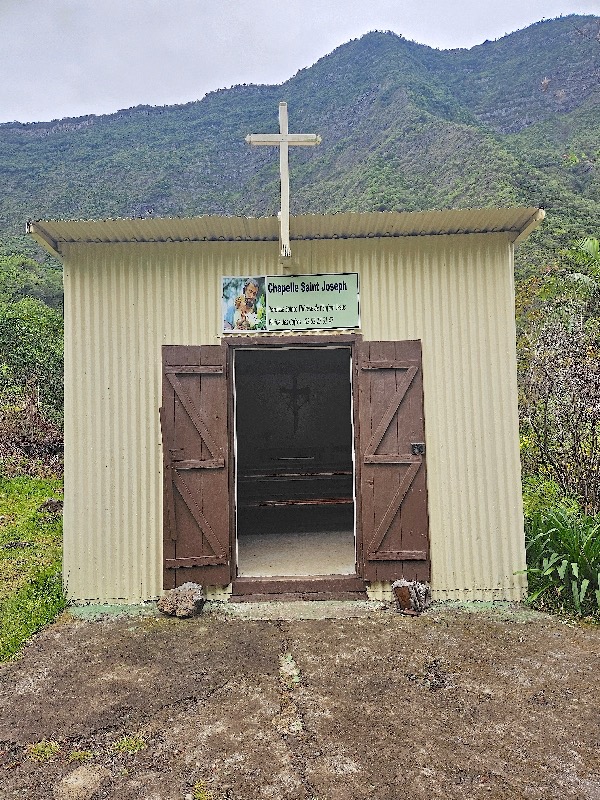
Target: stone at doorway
pixel 186 600
pixel 412 597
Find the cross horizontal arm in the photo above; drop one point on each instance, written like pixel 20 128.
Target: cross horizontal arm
pixel 305 139
pixel 283 140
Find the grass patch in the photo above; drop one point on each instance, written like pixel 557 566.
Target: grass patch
pixel 31 592
pixel 201 792
pixel 42 751
pixel 130 744
pixel 79 756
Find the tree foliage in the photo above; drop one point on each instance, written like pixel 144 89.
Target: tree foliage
pixel 31 355
pixel 560 377
pixel 31 387
pixel 561 411
pixel 21 276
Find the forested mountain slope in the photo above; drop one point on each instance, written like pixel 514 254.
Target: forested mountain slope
pixel 404 127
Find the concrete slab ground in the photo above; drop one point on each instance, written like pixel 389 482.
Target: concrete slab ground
pixel 273 610
pixel 294 609
pixel 249 702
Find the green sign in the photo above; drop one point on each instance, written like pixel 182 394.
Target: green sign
pixel 290 302
pixel 312 302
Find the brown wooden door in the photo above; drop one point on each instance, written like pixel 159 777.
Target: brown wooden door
pixel 196 475
pixel 393 492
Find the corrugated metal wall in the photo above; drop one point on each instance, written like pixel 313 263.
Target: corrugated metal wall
pixel 125 300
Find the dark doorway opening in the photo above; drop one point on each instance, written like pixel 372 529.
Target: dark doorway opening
pixel 294 449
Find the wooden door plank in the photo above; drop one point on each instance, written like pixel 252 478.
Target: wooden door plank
pixel 190 501
pixel 393 509
pixel 215 482
pixel 391 411
pixel 386 478
pixel 198 418
pixel 392 458
pixel 393 488
pixel 195 447
pixel 184 563
pixel 194 369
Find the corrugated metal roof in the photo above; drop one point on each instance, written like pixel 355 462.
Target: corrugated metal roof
pixel 516 221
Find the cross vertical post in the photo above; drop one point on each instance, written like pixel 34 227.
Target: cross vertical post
pixel 283 140
pixel 284 173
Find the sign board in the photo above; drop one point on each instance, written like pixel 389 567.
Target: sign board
pixel 291 302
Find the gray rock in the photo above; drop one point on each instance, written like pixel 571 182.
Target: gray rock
pixel 186 600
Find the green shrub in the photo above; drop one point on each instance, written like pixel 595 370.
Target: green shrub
pixel 201 792
pixel 563 562
pixel 80 755
pixel 31 388
pixel 541 494
pixel 31 356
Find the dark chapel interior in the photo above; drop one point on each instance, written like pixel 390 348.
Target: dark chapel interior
pixel 294 461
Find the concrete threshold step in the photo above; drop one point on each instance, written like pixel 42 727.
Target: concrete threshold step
pixel 318 587
pixel 288 597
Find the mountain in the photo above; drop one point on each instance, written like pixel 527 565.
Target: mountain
pixel 404 127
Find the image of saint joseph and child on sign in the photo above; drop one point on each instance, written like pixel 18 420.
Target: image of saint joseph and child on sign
pixel 244 304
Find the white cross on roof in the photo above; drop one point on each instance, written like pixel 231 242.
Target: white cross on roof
pixel 283 140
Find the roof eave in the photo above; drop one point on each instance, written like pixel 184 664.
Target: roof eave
pixel 535 221
pixel 42 237
pixel 516 223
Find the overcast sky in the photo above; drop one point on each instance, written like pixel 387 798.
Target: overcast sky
pixel 62 58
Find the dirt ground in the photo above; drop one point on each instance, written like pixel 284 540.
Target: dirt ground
pixel 496 703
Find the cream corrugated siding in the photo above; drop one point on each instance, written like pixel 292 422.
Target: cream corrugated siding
pixel 457 297
pixel 124 301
